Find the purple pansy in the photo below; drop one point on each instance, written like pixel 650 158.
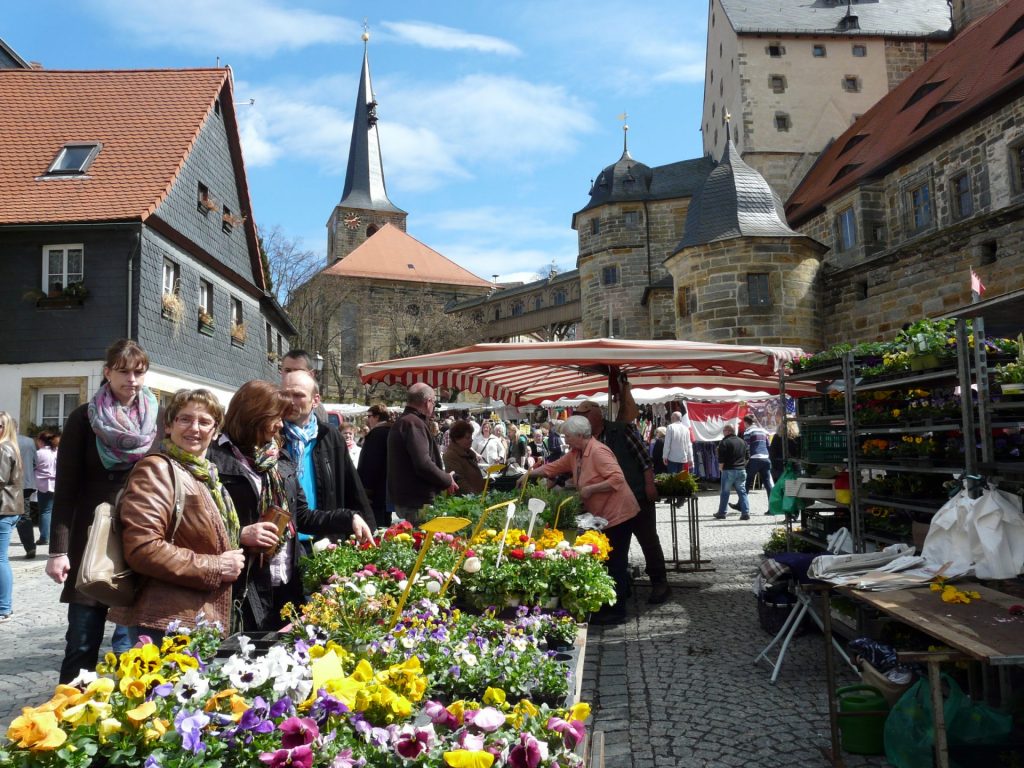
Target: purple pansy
pixel 190 726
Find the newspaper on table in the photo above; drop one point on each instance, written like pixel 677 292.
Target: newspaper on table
pixel 895 567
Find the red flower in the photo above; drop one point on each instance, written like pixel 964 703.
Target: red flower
pixel 518 554
pixel 470 553
pixel 524 538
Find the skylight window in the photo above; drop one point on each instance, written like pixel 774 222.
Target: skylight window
pixel 74 158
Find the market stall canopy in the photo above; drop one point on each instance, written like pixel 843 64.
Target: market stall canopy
pixel 531 373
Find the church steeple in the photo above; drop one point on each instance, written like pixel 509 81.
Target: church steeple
pixel 364 179
pixel 364 207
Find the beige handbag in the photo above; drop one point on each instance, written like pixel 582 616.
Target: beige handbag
pixel 103 574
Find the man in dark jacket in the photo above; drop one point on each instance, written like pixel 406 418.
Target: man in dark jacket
pixel 415 471
pixel 636 465
pixel 323 466
pixel 733 455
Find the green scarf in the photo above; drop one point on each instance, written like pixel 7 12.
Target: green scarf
pixel 264 461
pixel 206 472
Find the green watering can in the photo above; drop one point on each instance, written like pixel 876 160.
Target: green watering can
pixel 862 713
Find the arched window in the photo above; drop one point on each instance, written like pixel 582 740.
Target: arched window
pixel 559 298
pixel 371 230
pixel 517 309
pixel 497 313
pixel 538 303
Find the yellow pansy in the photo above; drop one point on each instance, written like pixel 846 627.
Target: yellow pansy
pixel 87 713
pixel 525 706
pixel 579 711
pixel 99 689
pixel 363 671
pixel 37 731
pixel 156 730
pixel 494 696
pixel 214 701
pixel 463 758
pixel 107 727
pixel 184 661
pixel 458 710
pixel 141 713
pixel 132 687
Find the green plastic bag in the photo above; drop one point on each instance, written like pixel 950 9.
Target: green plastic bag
pixel 778 502
pixel 910 733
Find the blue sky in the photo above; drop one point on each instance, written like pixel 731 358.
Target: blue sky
pixel 494 116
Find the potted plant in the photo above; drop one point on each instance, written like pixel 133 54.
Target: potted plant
pixel 205 322
pixel 56 291
pixel 238 332
pixel 172 307
pixel 1010 376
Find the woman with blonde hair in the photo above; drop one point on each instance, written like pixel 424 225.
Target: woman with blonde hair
pixel 12 505
pixel 189 564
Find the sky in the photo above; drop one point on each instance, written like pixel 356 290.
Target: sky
pixel 494 116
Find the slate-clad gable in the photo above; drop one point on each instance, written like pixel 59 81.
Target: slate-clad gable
pixel 209 163
pixel 891 18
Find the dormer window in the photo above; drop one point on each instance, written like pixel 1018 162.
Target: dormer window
pixel 74 159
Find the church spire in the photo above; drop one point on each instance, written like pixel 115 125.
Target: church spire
pixel 364 180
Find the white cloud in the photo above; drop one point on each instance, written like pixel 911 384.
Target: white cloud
pixel 431 135
pixel 448 38
pixel 221 27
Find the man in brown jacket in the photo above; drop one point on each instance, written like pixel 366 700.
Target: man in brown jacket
pixel 415 471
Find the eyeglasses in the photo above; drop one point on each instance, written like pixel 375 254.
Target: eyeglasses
pixel 204 423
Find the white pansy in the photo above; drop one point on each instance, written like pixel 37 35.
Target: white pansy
pixel 469 659
pixel 191 687
pixel 85 677
pixel 245 645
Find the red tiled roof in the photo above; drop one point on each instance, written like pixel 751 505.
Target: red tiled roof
pixel 391 254
pixel 147 121
pixel 983 64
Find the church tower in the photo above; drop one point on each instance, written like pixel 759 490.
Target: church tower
pixel 364 207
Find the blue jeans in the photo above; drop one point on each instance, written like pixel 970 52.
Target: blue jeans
pixel 762 467
pixel 45 503
pixel 86 625
pixel 675 467
pixel 734 478
pixel 7 525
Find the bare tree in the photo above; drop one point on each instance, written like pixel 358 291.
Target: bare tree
pixel 289 265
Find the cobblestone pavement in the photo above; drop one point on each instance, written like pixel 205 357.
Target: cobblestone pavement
pixel 676 687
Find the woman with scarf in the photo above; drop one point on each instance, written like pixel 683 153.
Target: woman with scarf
pixel 101 442
pixel 189 564
pixel 261 480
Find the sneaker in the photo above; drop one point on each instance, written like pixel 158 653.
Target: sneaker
pixel 744 517
pixel 30 554
pixel 718 516
pixel 5 617
pixel 42 541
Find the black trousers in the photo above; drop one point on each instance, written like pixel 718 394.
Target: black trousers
pixel 619 537
pixel 645 528
pixel 25 528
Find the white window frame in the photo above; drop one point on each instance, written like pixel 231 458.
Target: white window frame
pixel 63 415
pixel 56 170
pixel 206 297
pixel 171 280
pixel 64 247
pixel 237 311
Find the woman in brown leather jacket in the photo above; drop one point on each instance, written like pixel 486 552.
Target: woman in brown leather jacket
pixel 188 565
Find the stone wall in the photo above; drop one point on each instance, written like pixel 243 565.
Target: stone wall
pixel 904 56
pixel 907 274
pixel 638 250
pixel 967 11
pixel 343 239
pixel 713 278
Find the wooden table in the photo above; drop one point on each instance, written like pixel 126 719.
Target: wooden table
pixel 983 630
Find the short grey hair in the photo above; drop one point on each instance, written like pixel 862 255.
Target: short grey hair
pixel 419 393
pixel 576 425
pixel 498 429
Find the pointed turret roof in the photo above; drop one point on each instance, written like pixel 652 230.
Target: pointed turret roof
pixel 735 201
pixel 391 254
pixel 364 179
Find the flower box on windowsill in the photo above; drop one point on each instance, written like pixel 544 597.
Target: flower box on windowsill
pixel 59 302
pixel 206 328
pixel 237 342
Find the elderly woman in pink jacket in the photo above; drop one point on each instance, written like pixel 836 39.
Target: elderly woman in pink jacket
pixel 603 489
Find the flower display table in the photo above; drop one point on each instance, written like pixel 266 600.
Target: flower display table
pixel 687 505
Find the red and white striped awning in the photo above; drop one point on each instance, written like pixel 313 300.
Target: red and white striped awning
pixel 519 374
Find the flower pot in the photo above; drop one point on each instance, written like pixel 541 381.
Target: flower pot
pixel 1012 389
pixel 924 362
pixel 551 604
pixel 513 601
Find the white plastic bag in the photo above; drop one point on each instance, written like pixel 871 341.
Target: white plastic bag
pixel 948 539
pixel 997 536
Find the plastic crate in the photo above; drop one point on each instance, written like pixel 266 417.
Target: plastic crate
pixel 821 444
pixel 822 524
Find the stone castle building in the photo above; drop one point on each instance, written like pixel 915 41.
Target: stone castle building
pixel 885 217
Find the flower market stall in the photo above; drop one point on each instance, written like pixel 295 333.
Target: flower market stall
pixel 453 644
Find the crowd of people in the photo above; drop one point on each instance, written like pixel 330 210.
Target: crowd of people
pixel 217 506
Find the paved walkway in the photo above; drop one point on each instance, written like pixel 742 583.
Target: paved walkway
pixel 675 687
pixel 672 688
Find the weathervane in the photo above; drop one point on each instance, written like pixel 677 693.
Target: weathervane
pixel 366 31
pixel 625 131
